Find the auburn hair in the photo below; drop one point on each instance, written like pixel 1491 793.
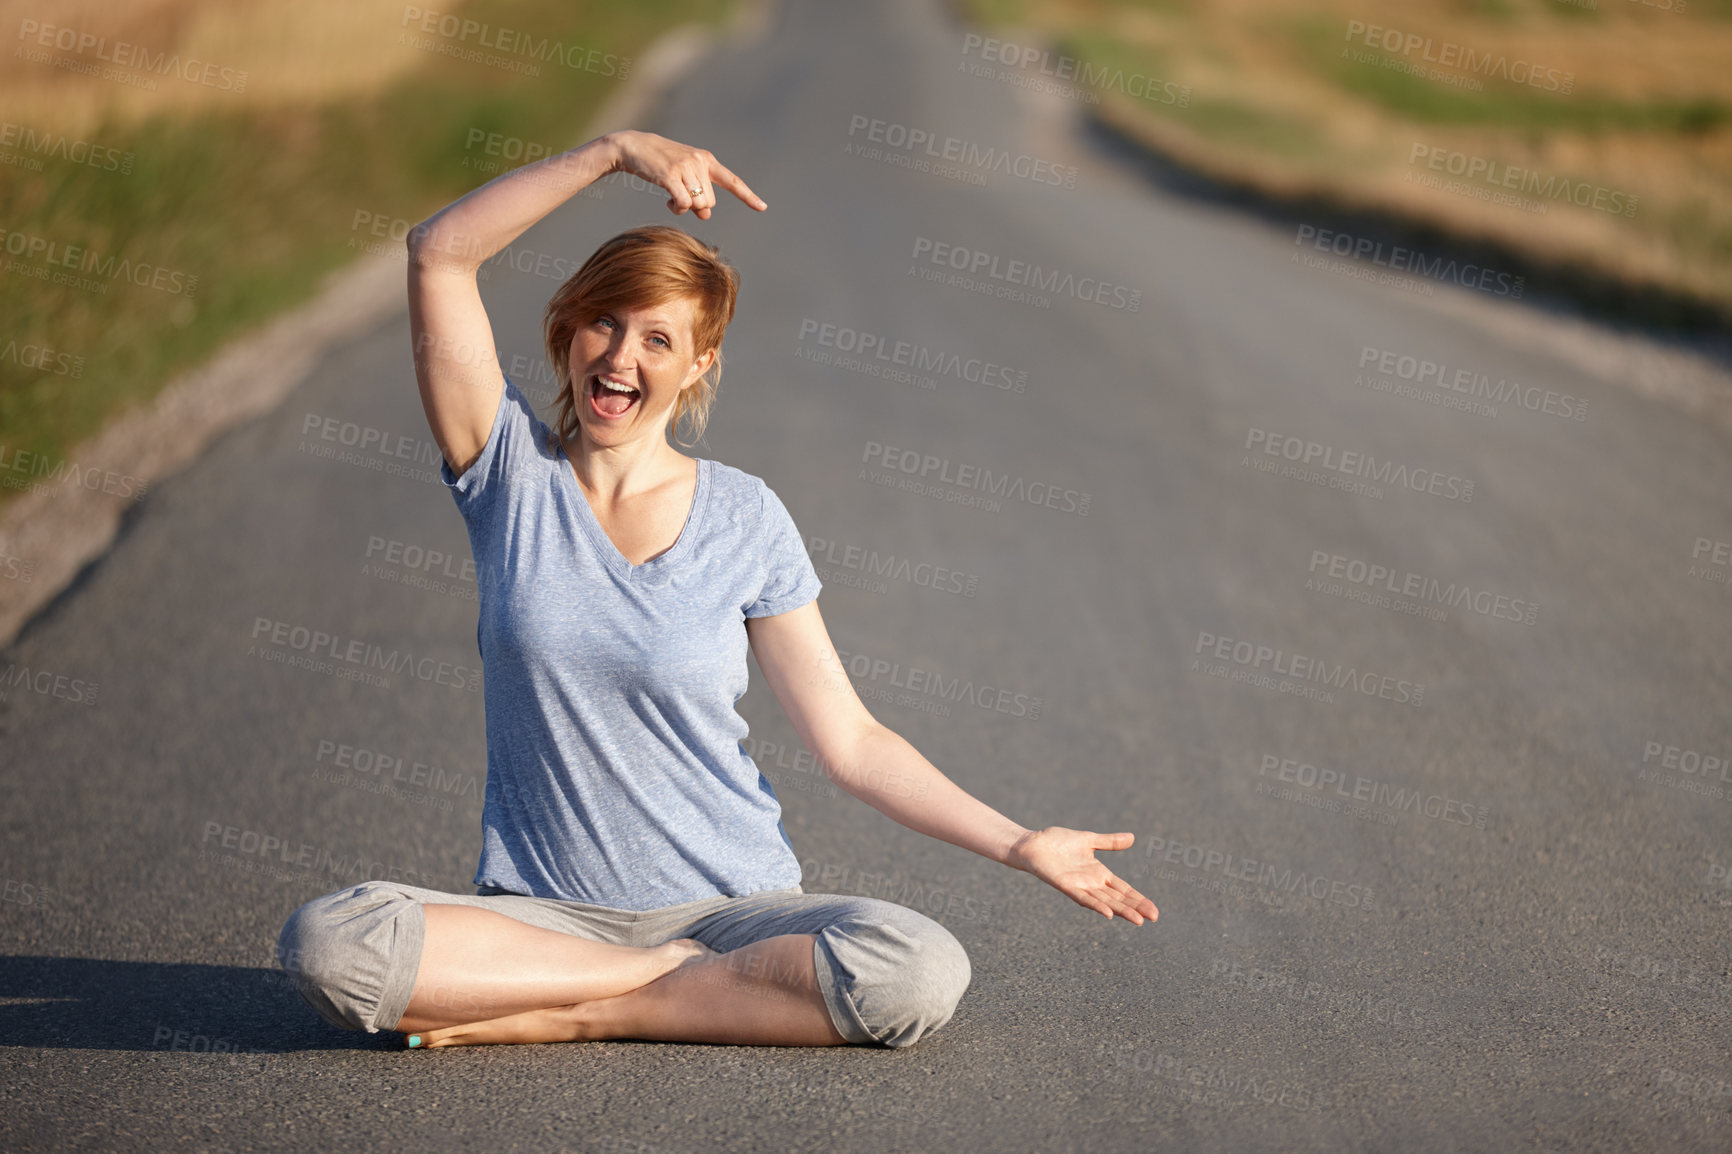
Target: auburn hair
pixel 642 268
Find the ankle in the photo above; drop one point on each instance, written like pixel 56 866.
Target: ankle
pixel 589 1021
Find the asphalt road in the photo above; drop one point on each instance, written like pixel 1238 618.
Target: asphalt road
pixel 1473 899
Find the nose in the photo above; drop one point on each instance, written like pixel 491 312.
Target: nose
pixel 621 358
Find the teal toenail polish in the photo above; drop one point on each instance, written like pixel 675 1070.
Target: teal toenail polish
pixel 414 1040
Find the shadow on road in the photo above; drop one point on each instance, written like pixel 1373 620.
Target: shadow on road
pixel 94 1004
pixel 1554 286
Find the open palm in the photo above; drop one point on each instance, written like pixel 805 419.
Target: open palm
pixel 1065 860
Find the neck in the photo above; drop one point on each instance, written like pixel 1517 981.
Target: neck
pixel 616 471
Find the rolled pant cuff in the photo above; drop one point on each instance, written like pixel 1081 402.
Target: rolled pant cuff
pixel 842 1013
pixel 409 932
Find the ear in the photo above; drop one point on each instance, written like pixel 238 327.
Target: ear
pixel 699 368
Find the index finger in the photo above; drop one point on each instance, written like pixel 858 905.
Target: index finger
pixel 721 174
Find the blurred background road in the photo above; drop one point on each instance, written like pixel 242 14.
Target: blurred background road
pixel 1371 596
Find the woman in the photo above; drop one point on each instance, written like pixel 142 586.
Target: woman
pixel 635 879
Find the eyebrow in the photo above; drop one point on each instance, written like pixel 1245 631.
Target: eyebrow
pixel 654 322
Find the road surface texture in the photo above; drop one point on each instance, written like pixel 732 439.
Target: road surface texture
pixel 1169 536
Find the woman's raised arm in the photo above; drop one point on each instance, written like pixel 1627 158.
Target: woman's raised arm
pixel 456 363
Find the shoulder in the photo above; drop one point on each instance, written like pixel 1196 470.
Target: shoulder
pixel 750 504
pixel 743 496
pixel 522 411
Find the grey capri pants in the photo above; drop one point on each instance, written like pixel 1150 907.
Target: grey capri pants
pixel 889 974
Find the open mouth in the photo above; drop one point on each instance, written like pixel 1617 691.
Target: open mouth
pixel 610 399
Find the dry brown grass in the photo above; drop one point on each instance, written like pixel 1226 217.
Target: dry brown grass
pixel 1274 106
pixel 295 53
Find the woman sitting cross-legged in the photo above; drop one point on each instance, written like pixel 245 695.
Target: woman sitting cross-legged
pixel 635 879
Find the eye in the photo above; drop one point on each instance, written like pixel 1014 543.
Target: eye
pixel 663 341
pixel 604 322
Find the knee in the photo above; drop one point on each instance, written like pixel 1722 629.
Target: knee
pixel 902 973
pixel 338 950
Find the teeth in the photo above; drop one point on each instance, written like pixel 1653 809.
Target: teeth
pixel 609 385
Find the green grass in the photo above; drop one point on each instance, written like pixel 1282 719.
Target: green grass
pixel 1518 108
pixel 1223 120
pixel 1500 104
pixel 259 206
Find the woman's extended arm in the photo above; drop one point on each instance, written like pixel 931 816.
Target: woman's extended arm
pixel 456 363
pixel 878 766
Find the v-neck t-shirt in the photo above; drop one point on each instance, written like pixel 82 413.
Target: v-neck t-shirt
pixel 615 770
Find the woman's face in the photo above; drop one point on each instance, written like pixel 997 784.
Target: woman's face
pixel 650 353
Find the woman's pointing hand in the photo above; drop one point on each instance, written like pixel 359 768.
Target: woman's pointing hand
pixel 690 175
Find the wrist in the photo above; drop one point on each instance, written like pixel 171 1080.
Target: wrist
pixel 610 148
pixel 1014 854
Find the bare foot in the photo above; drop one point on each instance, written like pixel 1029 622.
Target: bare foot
pixel 687 951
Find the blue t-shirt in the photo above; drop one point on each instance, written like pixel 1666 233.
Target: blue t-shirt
pixel 615 773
